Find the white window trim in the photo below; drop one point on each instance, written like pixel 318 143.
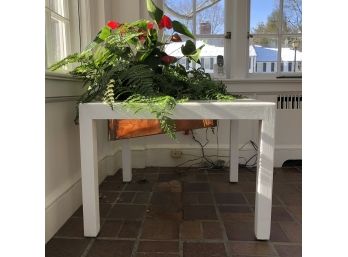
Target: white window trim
pixel 81 27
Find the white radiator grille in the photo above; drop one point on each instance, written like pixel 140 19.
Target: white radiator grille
pixel 289 102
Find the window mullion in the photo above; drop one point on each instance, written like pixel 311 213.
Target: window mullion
pixel 280 30
pixel 194 30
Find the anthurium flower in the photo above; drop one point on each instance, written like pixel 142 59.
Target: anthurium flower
pixel 142 38
pixel 167 59
pixel 149 25
pixel 113 24
pixel 165 22
pixel 176 38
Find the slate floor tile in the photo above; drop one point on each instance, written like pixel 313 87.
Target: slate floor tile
pixel 160 229
pixel 111 248
pixel 199 212
pixel 62 247
pixel 127 212
pixel 204 250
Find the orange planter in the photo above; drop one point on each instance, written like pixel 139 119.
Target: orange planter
pixel 120 129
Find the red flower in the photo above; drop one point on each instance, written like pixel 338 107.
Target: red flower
pixel 113 24
pixel 150 25
pixel 167 59
pixel 142 38
pixel 165 22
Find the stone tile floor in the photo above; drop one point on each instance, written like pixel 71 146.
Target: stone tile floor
pixel 186 212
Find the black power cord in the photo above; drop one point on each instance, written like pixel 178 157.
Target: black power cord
pixel 219 164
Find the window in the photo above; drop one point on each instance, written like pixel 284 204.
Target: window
pixel 264 67
pixel 206 20
pixel 202 61
pixel 211 63
pixel 187 63
pixel 62 30
pixel 272 67
pixel 289 66
pixel 276 34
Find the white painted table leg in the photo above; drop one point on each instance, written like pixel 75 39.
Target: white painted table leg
pixel 234 152
pixel 264 180
pixel 126 161
pixel 89 176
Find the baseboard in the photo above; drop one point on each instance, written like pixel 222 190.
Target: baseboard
pixel 159 155
pixel 62 203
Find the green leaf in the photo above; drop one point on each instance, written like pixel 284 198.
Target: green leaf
pixel 104 33
pixel 155 12
pixel 140 24
pixel 196 55
pixel 181 28
pixel 189 48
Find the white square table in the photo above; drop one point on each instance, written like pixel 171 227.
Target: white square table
pixel 236 110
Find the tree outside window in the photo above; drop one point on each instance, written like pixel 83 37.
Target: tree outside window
pixel 276 33
pixel 206 20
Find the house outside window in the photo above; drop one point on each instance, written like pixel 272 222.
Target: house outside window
pixel 202 61
pixel 206 20
pixel 61 31
pixel 276 34
pixel 211 63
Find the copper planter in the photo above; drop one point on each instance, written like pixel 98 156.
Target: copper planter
pixel 121 129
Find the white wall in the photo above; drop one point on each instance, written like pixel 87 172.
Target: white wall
pixel 62 153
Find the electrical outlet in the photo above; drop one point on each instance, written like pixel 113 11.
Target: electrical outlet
pixel 176 154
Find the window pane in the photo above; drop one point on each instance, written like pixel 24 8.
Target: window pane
pixel 57 40
pixel 264 16
pixel 292 16
pixel 60 7
pixel 292 54
pixel 180 10
pixel 210 17
pixel 212 48
pixel 263 51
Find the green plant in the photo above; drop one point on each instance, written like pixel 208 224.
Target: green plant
pixel 127 62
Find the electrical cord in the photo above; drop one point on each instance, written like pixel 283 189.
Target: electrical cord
pixel 202 146
pixel 213 165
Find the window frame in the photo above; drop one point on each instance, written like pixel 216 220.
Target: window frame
pixel 278 36
pixel 73 40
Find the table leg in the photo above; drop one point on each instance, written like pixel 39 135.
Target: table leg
pixel 89 176
pixel 234 151
pixel 264 180
pixel 126 161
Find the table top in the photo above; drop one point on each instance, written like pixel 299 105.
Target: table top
pixel 236 109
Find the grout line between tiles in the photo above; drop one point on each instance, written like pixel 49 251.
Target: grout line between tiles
pixel 140 231
pixel 222 226
pixel 89 246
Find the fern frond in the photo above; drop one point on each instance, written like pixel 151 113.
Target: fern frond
pixel 139 78
pixel 159 106
pixel 69 59
pixel 109 94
